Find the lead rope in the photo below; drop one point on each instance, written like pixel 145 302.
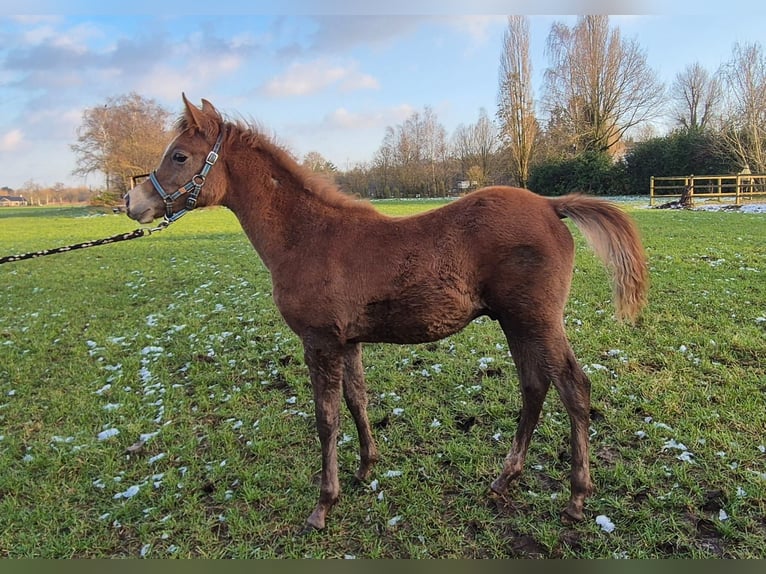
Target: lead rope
pixel 141 232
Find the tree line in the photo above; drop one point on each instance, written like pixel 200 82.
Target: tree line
pixel 589 129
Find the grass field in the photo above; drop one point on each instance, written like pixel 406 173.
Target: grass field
pixel 153 403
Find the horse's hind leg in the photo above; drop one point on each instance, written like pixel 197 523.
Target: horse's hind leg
pixel 543 356
pixel 355 393
pixel 534 386
pixel 573 386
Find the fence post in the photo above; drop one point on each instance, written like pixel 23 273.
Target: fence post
pixel 691 190
pixel 738 190
pixel 651 191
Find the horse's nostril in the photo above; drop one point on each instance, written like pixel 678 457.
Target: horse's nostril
pixel 126 197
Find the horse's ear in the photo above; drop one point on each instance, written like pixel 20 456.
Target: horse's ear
pixel 208 108
pixel 200 119
pixel 205 120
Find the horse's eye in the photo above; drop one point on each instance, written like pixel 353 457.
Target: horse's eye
pixel 179 157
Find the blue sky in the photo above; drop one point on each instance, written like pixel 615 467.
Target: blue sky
pixel 322 76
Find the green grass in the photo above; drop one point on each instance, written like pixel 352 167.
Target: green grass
pixel 175 338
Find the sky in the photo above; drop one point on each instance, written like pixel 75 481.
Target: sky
pixel 326 76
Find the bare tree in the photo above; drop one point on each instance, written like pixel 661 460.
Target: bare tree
pixel 743 123
pixel 123 138
pixel 413 155
pixel 433 140
pixel 599 82
pixel 383 166
pixel 316 162
pixel 474 146
pixel 518 126
pixel 696 96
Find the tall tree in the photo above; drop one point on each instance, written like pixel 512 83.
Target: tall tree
pixel 600 82
pixel 743 123
pixel 316 162
pixel 475 146
pixel 120 139
pixel 696 96
pixel 518 126
pixel 413 155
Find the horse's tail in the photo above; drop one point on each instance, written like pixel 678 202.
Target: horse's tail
pixel 616 241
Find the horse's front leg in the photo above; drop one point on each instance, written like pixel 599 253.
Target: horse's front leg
pixel 355 393
pixel 326 365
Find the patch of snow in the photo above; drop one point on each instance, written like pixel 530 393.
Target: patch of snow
pixel 129 493
pixel 605 523
pixel 673 444
pixel 686 456
pixel 746 208
pixel 155 458
pixel 108 433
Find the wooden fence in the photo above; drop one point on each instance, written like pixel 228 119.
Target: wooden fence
pixel 737 188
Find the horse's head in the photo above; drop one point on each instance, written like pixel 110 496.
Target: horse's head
pixel 185 177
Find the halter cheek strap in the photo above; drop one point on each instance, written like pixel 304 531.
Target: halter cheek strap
pixel 193 188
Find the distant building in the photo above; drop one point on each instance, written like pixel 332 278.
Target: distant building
pixel 12 200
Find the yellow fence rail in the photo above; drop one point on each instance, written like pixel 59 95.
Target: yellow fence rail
pixel 739 188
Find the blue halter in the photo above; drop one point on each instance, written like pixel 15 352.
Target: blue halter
pixel 193 188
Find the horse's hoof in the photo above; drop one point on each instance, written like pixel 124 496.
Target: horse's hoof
pixel 499 486
pixel 571 516
pixel 362 474
pixel 316 520
pixel 308 529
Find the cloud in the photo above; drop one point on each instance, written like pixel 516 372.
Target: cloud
pixel 166 82
pixel 476 27
pixel 11 141
pixel 344 119
pixel 339 33
pixel 305 78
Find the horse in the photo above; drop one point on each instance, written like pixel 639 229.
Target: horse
pixel 344 274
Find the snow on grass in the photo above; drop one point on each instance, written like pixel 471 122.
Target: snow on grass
pixel 605 523
pixel 395 520
pixel 103 389
pixel 155 458
pixel 130 492
pixel 484 362
pixel 107 434
pixel 745 208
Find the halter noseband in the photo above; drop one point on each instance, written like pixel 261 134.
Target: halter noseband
pixel 193 188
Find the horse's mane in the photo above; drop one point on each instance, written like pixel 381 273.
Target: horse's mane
pixel 317 184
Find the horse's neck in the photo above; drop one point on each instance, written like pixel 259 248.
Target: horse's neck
pixel 275 210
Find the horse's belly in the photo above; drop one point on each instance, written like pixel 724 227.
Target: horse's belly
pixel 418 321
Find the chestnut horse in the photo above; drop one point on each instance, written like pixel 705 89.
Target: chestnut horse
pixel 344 274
